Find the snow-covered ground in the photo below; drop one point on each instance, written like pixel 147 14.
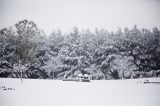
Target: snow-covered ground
pixel 67 93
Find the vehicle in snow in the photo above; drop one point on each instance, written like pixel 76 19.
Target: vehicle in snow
pixel 83 78
pixel 79 78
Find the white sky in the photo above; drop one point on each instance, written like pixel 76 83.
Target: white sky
pixel 50 15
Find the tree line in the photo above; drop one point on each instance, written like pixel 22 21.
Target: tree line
pixel 27 52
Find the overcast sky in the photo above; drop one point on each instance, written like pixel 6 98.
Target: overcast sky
pixel 50 15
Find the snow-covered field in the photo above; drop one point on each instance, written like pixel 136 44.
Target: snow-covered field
pixel 65 93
